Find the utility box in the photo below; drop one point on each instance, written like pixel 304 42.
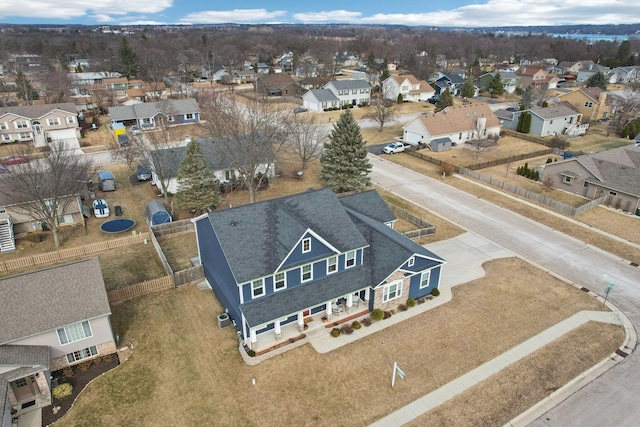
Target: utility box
pixel 119 129
pixel 106 181
pixel 223 320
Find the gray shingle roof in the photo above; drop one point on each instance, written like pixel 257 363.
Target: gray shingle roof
pixel 324 95
pixel 553 112
pixel 47 299
pixel 151 109
pixel 37 111
pixel 369 203
pixel 256 238
pixel 617 169
pixel 24 355
pixel 348 84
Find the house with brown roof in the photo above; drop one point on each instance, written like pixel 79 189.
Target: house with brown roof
pixel 41 124
pixel 592 102
pixel 51 318
pixel 536 77
pixel 458 123
pixel 278 85
pixel 407 85
pixel 613 174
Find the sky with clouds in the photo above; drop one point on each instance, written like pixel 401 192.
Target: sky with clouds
pixel 452 13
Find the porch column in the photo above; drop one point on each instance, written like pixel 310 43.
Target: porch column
pixel 276 329
pixel 349 302
pixel 252 335
pixel 300 319
pixel 366 294
pixel 327 310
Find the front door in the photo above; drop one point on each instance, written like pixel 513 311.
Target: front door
pixel 25 388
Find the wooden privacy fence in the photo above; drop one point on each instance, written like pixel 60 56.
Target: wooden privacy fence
pixel 175 227
pixel 63 254
pixel 425 228
pixel 178 279
pixel 488 164
pixel 539 198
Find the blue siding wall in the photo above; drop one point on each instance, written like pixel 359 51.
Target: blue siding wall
pixel 414 288
pixel 217 271
pixel 419 264
pixel 318 250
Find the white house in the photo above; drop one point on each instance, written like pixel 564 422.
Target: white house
pixel 319 100
pixel 409 86
pixel 354 92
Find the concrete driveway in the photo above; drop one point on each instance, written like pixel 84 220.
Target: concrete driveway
pixel 612 399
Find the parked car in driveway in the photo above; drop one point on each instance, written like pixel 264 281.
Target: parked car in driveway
pixel 143 173
pixel 299 110
pixel 15 160
pixel 394 147
pixel 100 208
pixel 135 130
pixel 433 100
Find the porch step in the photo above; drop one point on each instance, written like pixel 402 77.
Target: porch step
pixel 7 242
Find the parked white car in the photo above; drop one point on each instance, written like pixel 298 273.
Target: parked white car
pixel 394 147
pixel 100 208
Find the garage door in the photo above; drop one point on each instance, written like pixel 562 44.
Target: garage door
pixel 412 137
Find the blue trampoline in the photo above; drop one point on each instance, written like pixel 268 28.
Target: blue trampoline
pixel 117 225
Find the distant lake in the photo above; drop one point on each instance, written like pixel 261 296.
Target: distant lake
pixel 593 37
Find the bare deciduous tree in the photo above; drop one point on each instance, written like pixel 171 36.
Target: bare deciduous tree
pixel 45 188
pixel 250 134
pixel 625 111
pixel 382 110
pixel 306 137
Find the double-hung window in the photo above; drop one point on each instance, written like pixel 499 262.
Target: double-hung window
pixel 306 245
pixel 71 120
pixel 75 332
pixel 306 272
pixel 54 121
pixel 411 262
pixel 350 259
pixel 257 288
pixel 424 279
pixel 332 264
pixel 392 291
pixel 21 124
pixel 279 281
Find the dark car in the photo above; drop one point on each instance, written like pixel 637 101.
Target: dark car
pixel 299 110
pixel 434 99
pixel 143 173
pixel 14 160
pixel 123 139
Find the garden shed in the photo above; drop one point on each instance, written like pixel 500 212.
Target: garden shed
pixel 157 213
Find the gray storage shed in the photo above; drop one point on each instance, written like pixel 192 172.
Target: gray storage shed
pixel 157 213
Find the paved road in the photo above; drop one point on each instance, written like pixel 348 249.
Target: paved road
pixel 613 398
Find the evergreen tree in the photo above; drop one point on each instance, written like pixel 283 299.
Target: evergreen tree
pixel 445 100
pixel 196 189
pixel 371 61
pixel 24 89
pixel 468 89
pixel 598 80
pixel 496 86
pixel 344 161
pixel 128 59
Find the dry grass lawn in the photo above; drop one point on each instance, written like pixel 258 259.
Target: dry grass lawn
pixel 184 371
pixel 179 249
pixel 597 139
pixel 130 265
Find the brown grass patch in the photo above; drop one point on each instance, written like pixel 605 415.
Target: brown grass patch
pixel 185 371
pixel 179 249
pixel 128 266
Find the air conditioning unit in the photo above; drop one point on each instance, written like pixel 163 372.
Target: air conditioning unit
pixel 223 320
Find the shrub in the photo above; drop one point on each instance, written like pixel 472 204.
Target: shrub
pixel 356 325
pixel 35 237
pixel 447 169
pixel 366 321
pixel 411 302
pixel 251 353
pixel 386 315
pixel 435 292
pixel 62 391
pixel 84 366
pixel 402 307
pixel 377 314
pixel 346 329
pixel 68 372
pixel 335 332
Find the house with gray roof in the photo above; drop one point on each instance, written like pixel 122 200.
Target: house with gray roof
pixel 613 174
pixel 350 91
pixel 41 124
pixel 145 115
pixel 277 265
pixel 51 318
pixel 319 100
pixel 547 121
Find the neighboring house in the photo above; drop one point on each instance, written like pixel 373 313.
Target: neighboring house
pixel 574 66
pixel 532 76
pixel 280 263
pixel 278 85
pixel 173 111
pixel 614 174
pixel 166 163
pixel 320 99
pixel 509 80
pixel 459 124
pixel 585 74
pixel 41 124
pixel 90 78
pixel 591 102
pixel 545 121
pixel 353 92
pixel 624 74
pixel 16 220
pixel 240 77
pixel 410 87
pixel 51 318
pixel 451 81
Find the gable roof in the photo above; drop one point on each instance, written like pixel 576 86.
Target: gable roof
pixel 150 109
pixel 618 168
pixel 37 111
pixel 458 119
pixel 349 84
pixel 256 238
pixel 553 111
pixel 276 81
pixel 322 95
pixel 47 299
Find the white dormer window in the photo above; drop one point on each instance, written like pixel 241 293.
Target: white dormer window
pixel 412 261
pixel 257 288
pixel 332 265
pixel 306 273
pixel 350 259
pixel 279 281
pixel 306 245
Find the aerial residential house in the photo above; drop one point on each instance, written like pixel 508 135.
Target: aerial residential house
pixel 457 124
pixel 166 162
pixel 278 85
pixel 547 121
pixel 51 318
pixel 535 77
pixel 586 73
pixel 509 79
pixel 319 100
pixel 173 112
pixel 79 80
pixel 574 66
pixel 279 264
pixel 624 74
pixel 592 102
pixel 348 91
pixel 613 174
pixel 41 124
pixel 408 86
pixel 452 81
